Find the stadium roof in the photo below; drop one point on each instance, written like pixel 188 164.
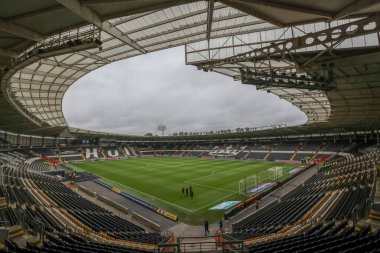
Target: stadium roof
pixel 45 46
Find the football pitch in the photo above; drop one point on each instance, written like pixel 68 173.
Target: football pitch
pixel 159 181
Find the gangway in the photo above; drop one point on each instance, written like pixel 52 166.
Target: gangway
pixel 206 244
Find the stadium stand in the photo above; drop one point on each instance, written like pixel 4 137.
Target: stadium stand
pixel 286 146
pixel 25 187
pixel 38 164
pixel 279 156
pixel 256 155
pixel 334 195
pixel 320 56
pixel 324 207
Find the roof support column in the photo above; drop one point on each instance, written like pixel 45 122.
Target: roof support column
pixel 92 17
pixel 210 14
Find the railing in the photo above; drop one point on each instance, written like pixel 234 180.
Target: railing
pixel 39 229
pixel 364 209
pixel 57 42
pixel 4 224
pixel 218 243
pixel 20 217
pixel 60 43
pixel 263 79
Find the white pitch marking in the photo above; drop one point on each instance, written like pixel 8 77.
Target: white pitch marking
pixel 148 195
pixel 210 187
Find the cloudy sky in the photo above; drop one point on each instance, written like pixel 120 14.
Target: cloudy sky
pixel 133 96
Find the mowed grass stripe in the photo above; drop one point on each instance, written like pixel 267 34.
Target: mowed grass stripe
pixel 163 178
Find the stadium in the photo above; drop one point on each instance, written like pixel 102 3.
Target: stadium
pixel 275 188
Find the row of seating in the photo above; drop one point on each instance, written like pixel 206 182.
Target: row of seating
pixel 341 188
pixel 41 198
pixel 64 243
pixel 326 238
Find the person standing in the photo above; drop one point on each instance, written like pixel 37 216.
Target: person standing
pixel 187 192
pixel 206 228
pixel 221 225
pixel 191 194
pixel 183 191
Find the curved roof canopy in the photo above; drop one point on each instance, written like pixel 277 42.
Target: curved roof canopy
pixel 45 46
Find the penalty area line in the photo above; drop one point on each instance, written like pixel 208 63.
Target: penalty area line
pixel 209 187
pixel 146 194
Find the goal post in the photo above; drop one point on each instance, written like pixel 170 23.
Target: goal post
pixel 249 185
pixel 275 173
pixel 254 184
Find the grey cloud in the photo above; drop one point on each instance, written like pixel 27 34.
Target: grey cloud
pixel 135 95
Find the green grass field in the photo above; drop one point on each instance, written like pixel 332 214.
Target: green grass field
pixel 159 181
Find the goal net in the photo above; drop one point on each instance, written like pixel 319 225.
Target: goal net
pixel 275 173
pixel 249 185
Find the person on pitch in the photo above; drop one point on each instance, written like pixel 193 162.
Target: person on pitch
pixel 191 194
pixel 220 225
pixel 183 191
pixel 187 192
pixel 206 228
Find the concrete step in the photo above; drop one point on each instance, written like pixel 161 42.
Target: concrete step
pixel 360 225
pixel 375 224
pixel 374 215
pixel 15 231
pixel 3 206
pixel 363 223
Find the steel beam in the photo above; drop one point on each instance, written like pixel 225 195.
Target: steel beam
pixel 37 90
pixel 90 16
pixel 200 24
pixel 94 56
pixel 210 14
pixel 289 7
pixel 243 8
pixel 8 52
pixel 19 31
pixel 354 7
pixel 23 80
pixel 321 103
pixel 46 74
pixel 334 34
pixel 61 64
pixel 174 19
pixel 303 95
pixel 149 7
pixel 36 13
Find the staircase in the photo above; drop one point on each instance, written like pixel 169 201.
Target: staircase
pixel 373 218
pixel 247 154
pixel 3 203
pixel 377 193
pixel 83 158
pixel 103 154
pixel 15 231
pixel 296 151
pixel 59 156
pixel 267 155
pixel 316 153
